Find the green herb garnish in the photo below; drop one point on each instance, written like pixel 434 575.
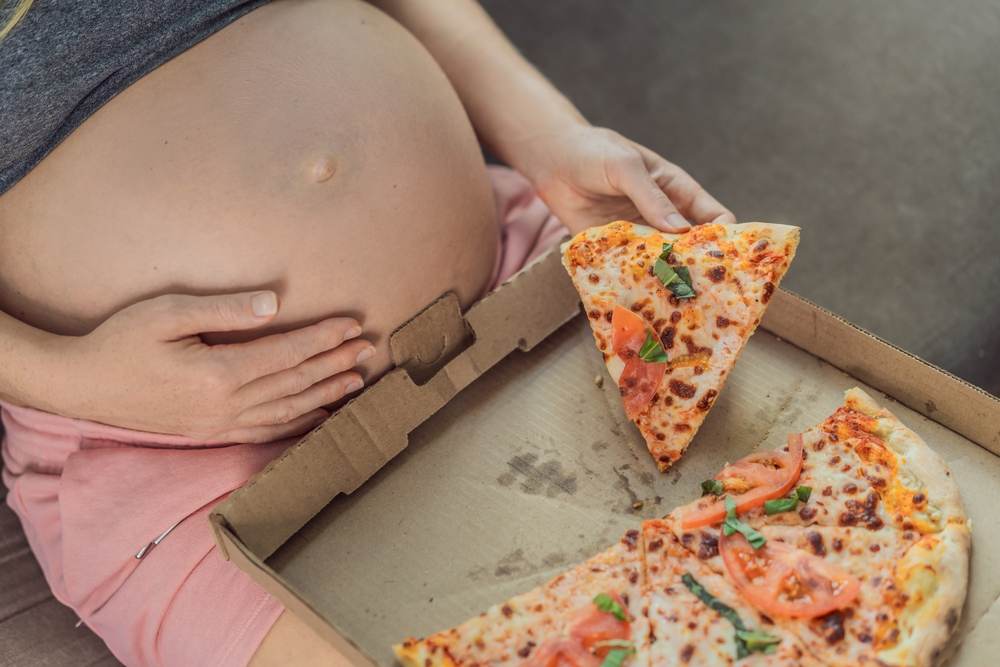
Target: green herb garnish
pixel 712 486
pixel 733 525
pixel 621 649
pixel 747 641
pixel 616 657
pixel 757 641
pixel 675 278
pixel 607 604
pixel 779 505
pixel 652 351
pixel 712 602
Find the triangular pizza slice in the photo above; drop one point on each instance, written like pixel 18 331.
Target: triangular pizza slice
pixel 671 312
pixel 588 616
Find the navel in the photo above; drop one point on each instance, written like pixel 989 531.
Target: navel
pixel 322 170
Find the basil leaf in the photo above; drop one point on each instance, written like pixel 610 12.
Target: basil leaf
pixel 616 657
pixel 733 525
pixel 664 272
pixel 747 641
pixel 712 602
pixel 712 486
pixel 607 604
pixel 779 505
pixel 757 641
pixel 676 278
pixel 803 493
pixel 682 289
pixel 652 351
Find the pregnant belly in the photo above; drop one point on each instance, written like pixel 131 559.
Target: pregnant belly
pixel 312 147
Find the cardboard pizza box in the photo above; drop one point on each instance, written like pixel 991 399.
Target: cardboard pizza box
pixel 497 454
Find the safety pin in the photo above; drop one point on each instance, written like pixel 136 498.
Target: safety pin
pixel 149 547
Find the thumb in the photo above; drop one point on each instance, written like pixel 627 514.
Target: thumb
pixel 635 182
pixel 178 315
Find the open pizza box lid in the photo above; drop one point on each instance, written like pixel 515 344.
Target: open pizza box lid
pixel 493 457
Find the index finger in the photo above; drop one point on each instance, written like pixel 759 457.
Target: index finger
pixel 691 199
pixel 279 352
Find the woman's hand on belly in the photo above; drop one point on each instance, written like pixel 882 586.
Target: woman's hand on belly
pixel 147 368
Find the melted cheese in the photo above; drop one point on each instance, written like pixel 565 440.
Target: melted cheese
pixel 733 271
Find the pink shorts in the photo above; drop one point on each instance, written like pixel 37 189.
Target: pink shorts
pixel 118 518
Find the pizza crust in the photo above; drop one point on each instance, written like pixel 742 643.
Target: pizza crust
pixel 934 572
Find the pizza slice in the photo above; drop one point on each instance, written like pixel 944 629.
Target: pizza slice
pixel 853 537
pixel 588 616
pixel 671 312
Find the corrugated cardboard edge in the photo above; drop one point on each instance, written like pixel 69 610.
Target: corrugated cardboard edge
pixel 269 580
pixel 923 387
pixel 956 404
pixel 364 435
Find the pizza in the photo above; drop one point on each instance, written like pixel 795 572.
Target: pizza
pixel 864 502
pixel 848 546
pixel 671 312
pixel 581 616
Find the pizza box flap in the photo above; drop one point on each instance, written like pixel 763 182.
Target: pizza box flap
pixel 437 354
pixel 479 495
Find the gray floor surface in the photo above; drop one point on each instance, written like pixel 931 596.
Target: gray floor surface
pixel 874 126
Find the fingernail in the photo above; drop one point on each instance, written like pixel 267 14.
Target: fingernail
pixel 366 354
pixel 677 221
pixel 264 304
pixel 353 332
pixel 354 385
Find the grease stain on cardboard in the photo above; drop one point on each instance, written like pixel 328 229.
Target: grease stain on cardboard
pixel 545 477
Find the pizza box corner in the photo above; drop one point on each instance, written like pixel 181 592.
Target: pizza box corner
pixel 495 456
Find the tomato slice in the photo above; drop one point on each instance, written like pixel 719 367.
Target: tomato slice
pixel 750 482
pixel 780 580
pixel 638 382
pixel 580 649
pixel 639 379
pixel 562 653
pixel 595 626
pixel 628 332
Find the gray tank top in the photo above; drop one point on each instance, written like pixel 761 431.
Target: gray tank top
pixel 67 58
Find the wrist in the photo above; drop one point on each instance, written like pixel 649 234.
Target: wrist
pixel 533 151
pixel 45 369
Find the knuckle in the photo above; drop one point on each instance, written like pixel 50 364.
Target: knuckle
pixel 283 413
pixel 225 311
pixel 337 390
pixel 332 332
pixel 287 353
pixel 299 380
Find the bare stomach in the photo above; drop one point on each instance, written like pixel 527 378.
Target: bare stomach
pixel 312 147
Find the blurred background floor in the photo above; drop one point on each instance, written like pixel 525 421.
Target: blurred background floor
pixel 873 126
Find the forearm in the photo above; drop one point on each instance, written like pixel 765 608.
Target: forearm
pixel 25 362
pixel 507 99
